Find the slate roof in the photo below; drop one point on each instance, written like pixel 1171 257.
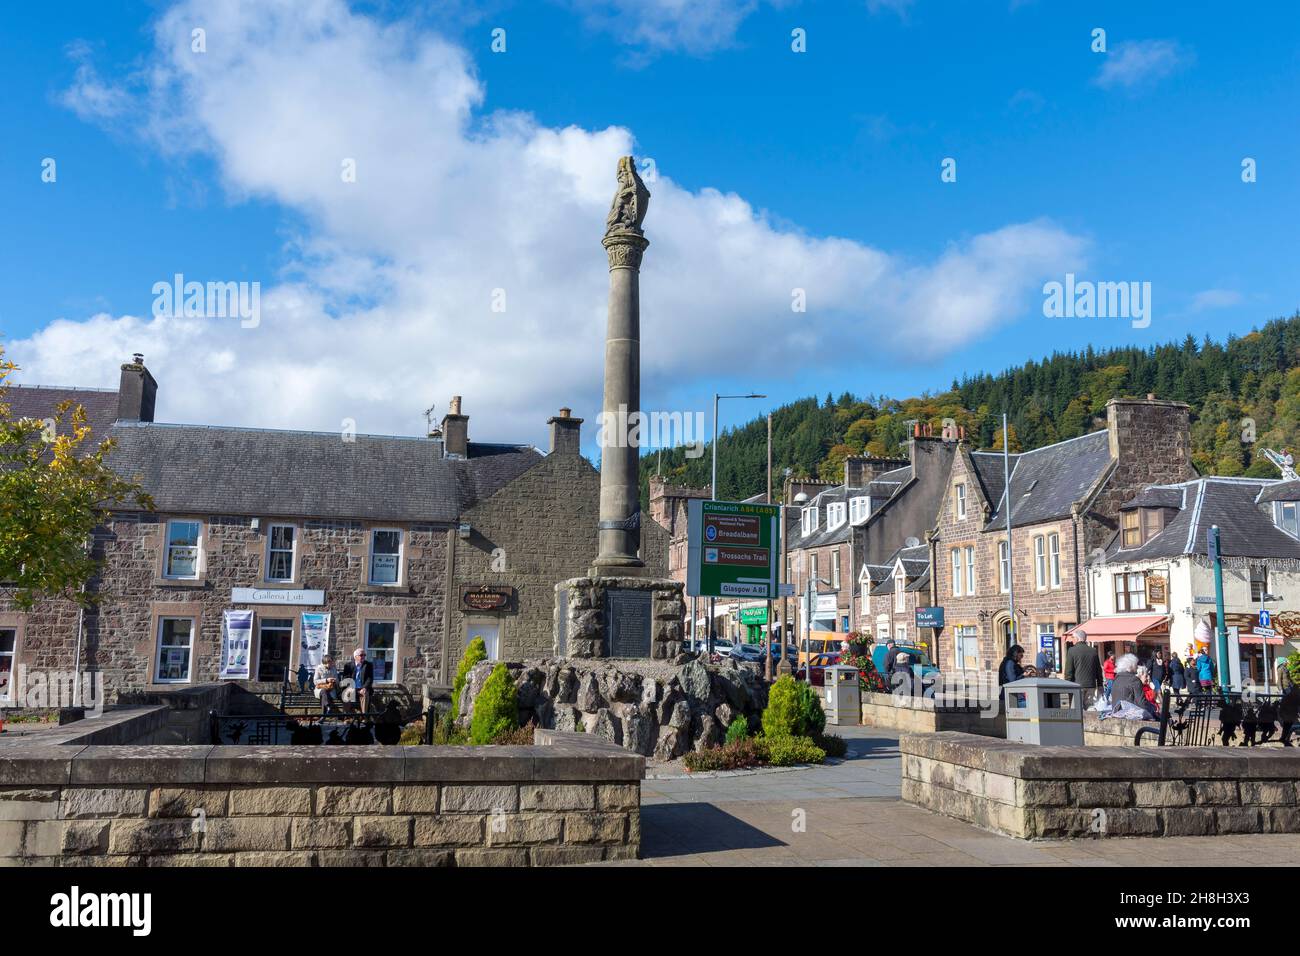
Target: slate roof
pixel 1156 496
pixel 916 565
pixel 883 487
pixel 1245 529
pixel 220 470
pixel 40 401
pixel 1281 491
pixel 1047 481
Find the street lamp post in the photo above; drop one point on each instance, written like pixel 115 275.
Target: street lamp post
pixel 713 488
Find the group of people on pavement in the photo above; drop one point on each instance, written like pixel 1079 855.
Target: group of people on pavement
pixel 352 686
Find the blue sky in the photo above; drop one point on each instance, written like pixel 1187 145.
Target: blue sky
pixel 1127 165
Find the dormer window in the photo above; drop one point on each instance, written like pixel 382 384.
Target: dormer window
pixel 1140 525
pixel 1286 515
pixel 835 515
pixel 859 509
pixel 809 520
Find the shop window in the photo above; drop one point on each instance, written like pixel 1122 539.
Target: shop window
pixel 175 650
pixel 182 557
pixel 385 555
pixel 381 649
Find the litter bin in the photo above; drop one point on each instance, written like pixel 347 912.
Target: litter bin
pixel 843 698
pixel 1044 710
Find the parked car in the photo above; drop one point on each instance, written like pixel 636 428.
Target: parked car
pixel 819 664
pixel 748 652
pixel 922 666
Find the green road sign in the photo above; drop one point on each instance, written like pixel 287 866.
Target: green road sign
pixel 733 549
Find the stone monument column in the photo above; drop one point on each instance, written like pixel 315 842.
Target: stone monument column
pixel 619 531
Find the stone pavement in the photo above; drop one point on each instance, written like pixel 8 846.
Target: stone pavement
pixel 854 817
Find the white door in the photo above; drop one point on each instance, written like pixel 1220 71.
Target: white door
pixel 490 631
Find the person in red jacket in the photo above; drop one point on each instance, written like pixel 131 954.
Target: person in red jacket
pixel 1108 671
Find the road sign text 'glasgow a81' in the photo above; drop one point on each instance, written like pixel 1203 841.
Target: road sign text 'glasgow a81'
pixel 733 549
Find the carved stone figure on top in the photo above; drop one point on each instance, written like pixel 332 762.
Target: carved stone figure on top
pixel 627 212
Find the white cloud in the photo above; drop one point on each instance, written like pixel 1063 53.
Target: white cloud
pixel 1138 62
pixel 693 26
pixel 1215 299
pixel 389 302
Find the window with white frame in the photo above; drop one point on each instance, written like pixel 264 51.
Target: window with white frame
pixel 1004 567
pixel 970 569
pixel 1286 515
pixel 8 649
pixel 835 569
pixel 809 520
pixel 175 650
pixel 381 649
pixel 900 598
pixel 1040 562
pixel 900 634
pixel 1054 559
pixel 281 552
pixel 812 564
pixel 182 557
pixel 960 499
pixel 957 574
pixel 835 515
pixel 385 555
pixel 859 509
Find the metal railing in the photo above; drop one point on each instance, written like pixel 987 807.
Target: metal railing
pixel 1219 717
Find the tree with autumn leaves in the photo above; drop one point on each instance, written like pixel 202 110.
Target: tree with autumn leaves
pixel 55 488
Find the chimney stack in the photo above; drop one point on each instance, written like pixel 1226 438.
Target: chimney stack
pixel 566 433
pixel 862 470
pixel 136 392
pixel 455 431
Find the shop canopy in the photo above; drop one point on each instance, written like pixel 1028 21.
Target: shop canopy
pixel 1256 639
pixel 1128 628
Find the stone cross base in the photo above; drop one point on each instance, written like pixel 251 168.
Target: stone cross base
pixel 635 617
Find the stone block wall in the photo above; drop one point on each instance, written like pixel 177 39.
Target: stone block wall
pixel 1115 731
pixel 581 602
pixel 1035 792
pixel 568 799
pixel 919 715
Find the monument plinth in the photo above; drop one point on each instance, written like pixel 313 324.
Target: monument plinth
pixel 619 609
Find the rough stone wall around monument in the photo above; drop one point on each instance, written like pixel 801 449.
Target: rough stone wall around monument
pixel 657 709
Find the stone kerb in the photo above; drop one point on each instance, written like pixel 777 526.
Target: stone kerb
pixel 1056 792
pixel 568 798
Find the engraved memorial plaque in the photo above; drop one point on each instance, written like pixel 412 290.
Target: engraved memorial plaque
pixel 627 622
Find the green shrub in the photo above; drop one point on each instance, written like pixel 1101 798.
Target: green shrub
pixel 475 652
pixel 738 729
pixel 519 736
pixel 793 710
pixel 496 711
pixel 833 745
pixel 788 750
pixel 736 755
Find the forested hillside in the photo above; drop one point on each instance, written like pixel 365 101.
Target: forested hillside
pixel 1244 394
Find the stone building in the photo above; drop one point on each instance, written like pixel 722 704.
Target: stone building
pixel 1064 503
pixel 386 534
pixel 889 605
pixel 844 534
pixel 1150 589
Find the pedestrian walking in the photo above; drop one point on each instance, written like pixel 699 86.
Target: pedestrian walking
pixel 1204 671
pixel 1158 669
pixel 1177 674
pixel 1108 672
pixel 1083 666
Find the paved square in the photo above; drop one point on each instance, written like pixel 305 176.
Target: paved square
pixel 851 815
